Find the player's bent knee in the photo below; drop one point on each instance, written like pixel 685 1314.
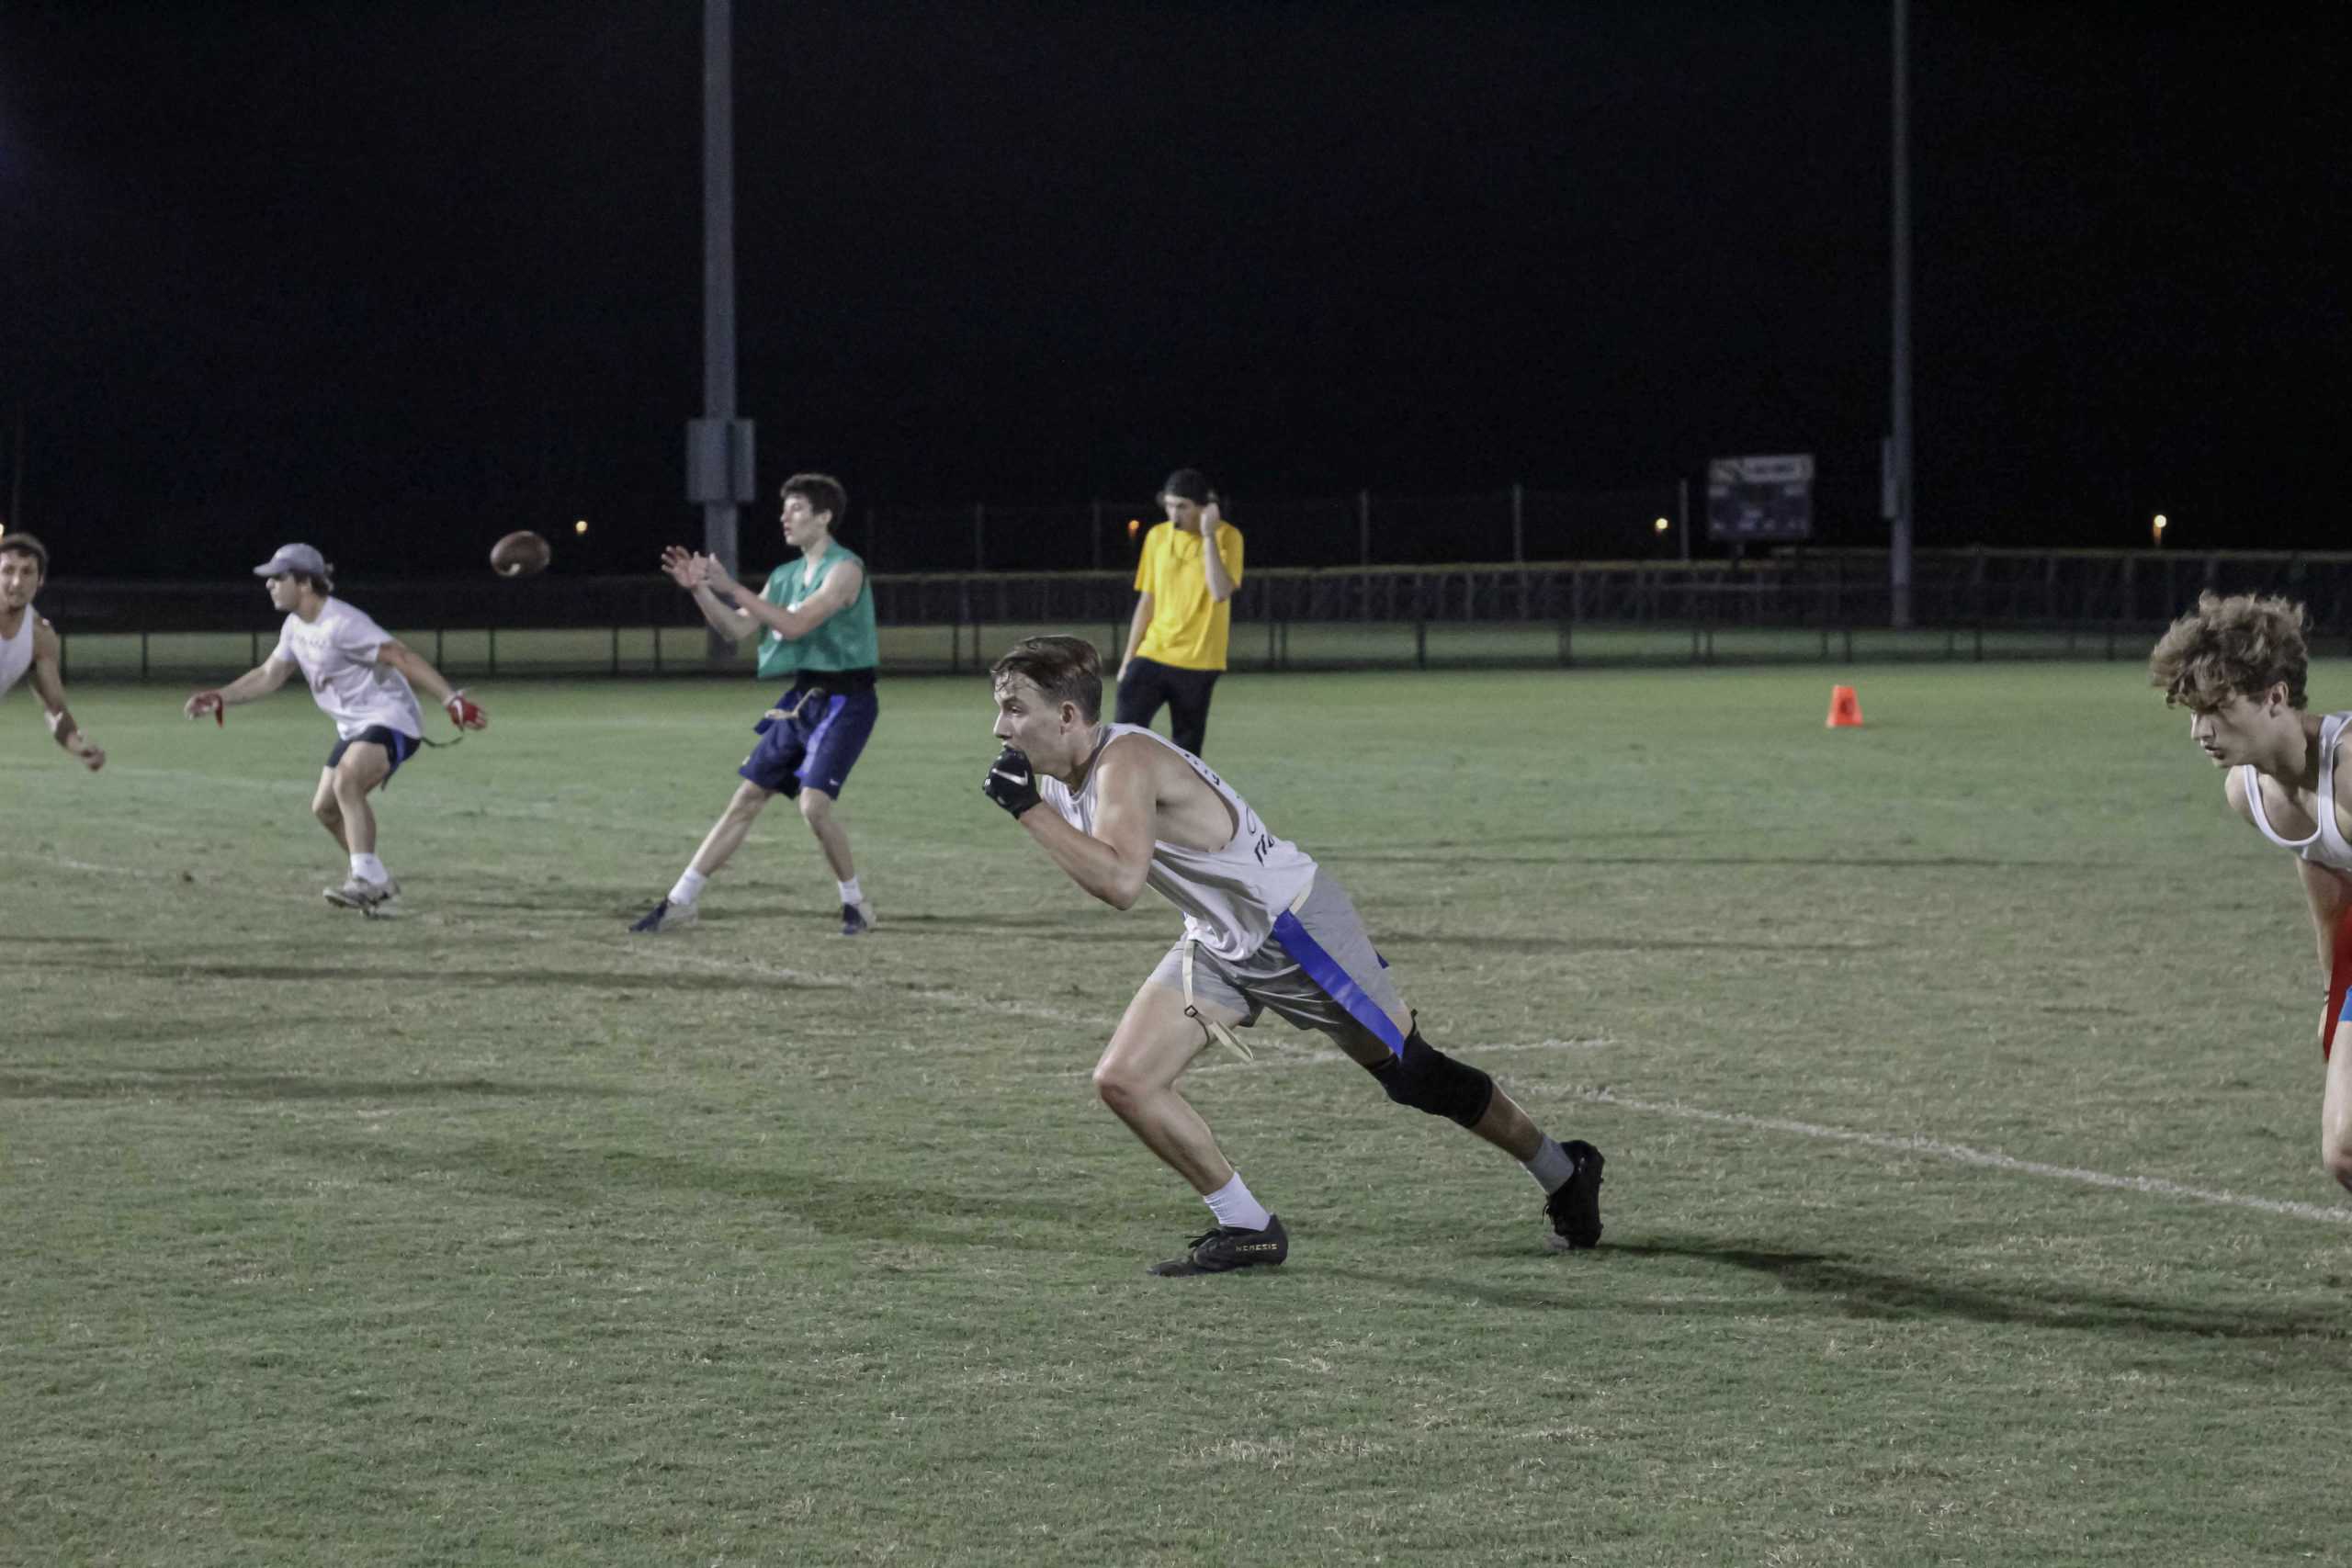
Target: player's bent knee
pixel 815 804
pixel 1428 1081
pixel 1116 1089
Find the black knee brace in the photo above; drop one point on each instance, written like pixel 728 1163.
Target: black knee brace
pixel 1428 1079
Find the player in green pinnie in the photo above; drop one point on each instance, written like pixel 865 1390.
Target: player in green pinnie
pixel 815 619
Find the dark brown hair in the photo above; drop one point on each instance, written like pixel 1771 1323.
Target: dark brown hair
pixel 2241 645
pixel 26 545
pixel 823 493
pixel 1064 669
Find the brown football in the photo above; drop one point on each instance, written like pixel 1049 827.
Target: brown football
pixel 520 554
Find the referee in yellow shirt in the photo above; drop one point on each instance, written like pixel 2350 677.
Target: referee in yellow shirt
pixel 1185 584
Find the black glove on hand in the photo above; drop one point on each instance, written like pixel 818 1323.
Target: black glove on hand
pixel 1011 782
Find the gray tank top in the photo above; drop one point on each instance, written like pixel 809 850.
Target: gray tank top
pixel 1230 895
pixel 2327 846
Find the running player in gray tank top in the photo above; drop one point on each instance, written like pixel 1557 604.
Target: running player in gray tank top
pixel 2238 665
pixel 1119 808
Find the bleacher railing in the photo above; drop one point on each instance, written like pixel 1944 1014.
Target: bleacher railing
pixel 1797 606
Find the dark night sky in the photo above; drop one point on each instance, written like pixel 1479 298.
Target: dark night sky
pixel 389 275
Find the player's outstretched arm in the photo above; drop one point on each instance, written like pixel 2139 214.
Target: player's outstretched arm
pixel 419 673
pixel 1111 862
pixel 692 572
pixel 49 685
pixel 258 682
pixel 839 592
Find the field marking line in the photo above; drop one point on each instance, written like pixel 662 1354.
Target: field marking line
pixel 1911 1143
pixel 1962 1154
pixel 641 948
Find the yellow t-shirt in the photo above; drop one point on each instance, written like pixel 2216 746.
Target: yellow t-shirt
pixel 1188 626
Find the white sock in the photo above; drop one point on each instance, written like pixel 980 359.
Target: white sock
pixel 1233 1205
pixel 689 887
pixel 1551 1167
pixel 368 868
pixel 850 895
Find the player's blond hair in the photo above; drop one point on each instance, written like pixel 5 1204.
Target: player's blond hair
pixel 2241 645
pixel 1063 669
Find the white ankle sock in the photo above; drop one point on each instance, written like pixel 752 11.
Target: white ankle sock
pixel 850 894
pixel 368 868
pixel 1233 1205
pixel 1551 1166
pixel 689 887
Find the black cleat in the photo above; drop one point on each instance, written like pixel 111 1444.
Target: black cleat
pixel 1575 1209
pixel 857 918
pixel 1228 1247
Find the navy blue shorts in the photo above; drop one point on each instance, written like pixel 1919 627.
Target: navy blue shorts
pixel 398 748
pixel 816 746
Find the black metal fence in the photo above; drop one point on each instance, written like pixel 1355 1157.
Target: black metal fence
pixel 1796 605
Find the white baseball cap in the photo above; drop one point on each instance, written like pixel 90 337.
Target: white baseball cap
pixel 296 557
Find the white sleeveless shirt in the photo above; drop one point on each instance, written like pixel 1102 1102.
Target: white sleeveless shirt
pixel 16 652
pixel 2327 846
pixel 1230 895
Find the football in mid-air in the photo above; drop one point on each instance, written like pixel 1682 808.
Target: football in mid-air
pixel 520 554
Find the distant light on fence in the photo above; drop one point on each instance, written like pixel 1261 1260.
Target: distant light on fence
pixel 2156 530
pixel 1132 525
pixel 1660 525
pixel 581 526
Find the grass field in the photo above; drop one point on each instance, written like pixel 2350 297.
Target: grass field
pixel 1955 1075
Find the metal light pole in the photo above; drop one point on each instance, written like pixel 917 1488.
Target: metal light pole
pixel 720 460
pixel 1898 456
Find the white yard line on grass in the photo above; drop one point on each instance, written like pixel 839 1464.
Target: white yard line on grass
pixel 1960 1154
pixel 1929 1148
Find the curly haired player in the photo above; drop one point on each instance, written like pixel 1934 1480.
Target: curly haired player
pixel 1265 926
pixel 28 645
pixel 2238 665
pixel 364 679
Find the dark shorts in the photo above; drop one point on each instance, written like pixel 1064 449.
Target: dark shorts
pixel 398 748
pixel 1150 684
pixel 817 745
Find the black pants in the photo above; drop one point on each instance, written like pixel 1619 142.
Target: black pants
pixel 1186 692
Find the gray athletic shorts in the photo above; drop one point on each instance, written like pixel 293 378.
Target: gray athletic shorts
pixel 1272 978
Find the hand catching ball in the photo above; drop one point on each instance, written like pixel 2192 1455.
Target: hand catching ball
pixel 520 554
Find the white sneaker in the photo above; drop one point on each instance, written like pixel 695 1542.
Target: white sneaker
pixel 358 893
pixel 667 916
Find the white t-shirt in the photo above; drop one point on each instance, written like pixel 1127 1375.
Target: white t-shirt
pixel 1230 895
pixel 336 653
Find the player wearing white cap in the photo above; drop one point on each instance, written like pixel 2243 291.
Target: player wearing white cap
pixel 28 645
pixel 364 679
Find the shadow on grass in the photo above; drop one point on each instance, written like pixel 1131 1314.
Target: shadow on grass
pixel 954 925
pixel 227 1083
pixel 1858 1289
pixel 837 1206
pixel 1490 943
pixel 1825 863
pixel 570 979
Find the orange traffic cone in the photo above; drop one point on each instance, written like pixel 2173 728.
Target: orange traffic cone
pixel 1845 708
